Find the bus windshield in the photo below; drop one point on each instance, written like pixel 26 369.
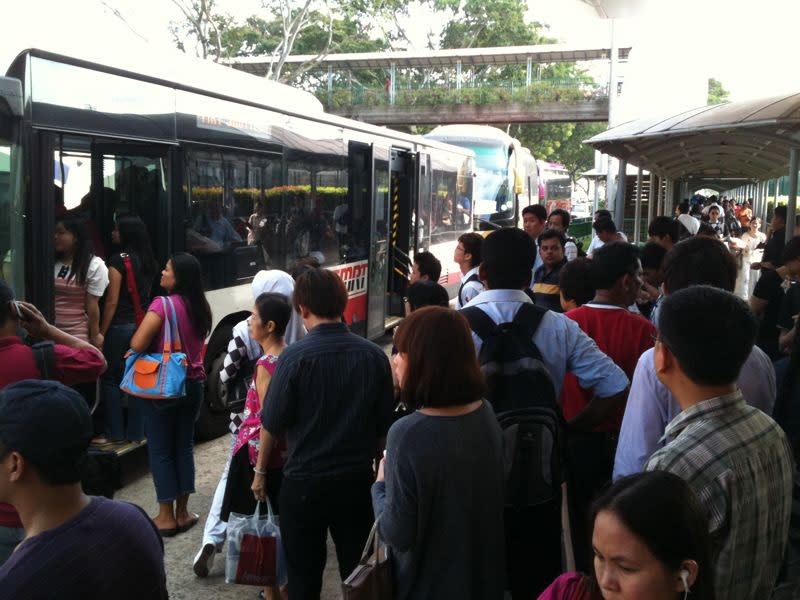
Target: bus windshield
pixel 491 179
pixel 11 225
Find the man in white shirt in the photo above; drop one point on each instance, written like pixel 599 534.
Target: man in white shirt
pixel 468 257
pixel 559 220
pixel 534 222
pixel 597 242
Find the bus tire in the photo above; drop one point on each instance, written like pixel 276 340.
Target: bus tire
pixel 214 416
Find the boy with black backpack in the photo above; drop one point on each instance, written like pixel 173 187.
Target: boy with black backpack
pixel 524 353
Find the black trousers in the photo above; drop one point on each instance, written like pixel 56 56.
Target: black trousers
pixel 590 458
pixel 309 508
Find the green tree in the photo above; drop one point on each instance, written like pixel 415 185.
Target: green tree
pixel 486 23
pixel 716 92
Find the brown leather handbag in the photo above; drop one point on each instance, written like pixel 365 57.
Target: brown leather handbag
pixel 372 577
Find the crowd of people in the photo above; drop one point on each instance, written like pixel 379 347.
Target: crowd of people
pixel 660 398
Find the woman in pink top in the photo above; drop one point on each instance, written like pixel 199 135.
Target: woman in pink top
pixel 169 424
pixel 650 539
pixel 266 325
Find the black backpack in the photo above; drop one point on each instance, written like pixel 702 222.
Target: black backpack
pixel 512 364
pixel 533 457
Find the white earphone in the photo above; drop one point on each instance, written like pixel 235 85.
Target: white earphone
pixel 684 575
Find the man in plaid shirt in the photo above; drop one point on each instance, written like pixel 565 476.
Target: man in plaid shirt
pixel 735 458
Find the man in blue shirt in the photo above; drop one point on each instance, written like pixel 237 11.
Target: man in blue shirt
pixel 508 256
pixel 651 407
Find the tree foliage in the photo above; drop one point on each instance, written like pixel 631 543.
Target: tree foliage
pixel 319 27
pixel 716 92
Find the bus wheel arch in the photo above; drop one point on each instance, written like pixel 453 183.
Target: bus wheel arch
pixel 215 409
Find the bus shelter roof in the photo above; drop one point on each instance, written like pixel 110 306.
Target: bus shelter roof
pixel 746 140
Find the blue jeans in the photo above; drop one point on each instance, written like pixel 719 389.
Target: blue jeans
pixel 118 341
pixel 170 441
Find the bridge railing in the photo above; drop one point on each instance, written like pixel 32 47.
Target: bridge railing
pixel 496 92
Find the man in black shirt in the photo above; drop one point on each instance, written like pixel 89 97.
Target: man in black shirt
pixel 768 296
pixel 774 247
pixel 546 292
pixel 332 396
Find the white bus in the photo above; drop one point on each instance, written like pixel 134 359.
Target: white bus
pixel 505 173
pixel 173 139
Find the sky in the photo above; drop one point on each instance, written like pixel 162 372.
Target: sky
pixel 677 44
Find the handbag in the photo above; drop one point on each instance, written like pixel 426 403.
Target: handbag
pixel 255 553
pixel 133 291
pixel 158 375
pixel 372 577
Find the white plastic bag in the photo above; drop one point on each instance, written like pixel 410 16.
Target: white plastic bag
pixel 255 553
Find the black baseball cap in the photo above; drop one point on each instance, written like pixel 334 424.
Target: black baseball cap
pixel 45 421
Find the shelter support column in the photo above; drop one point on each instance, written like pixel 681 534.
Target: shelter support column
pixel 791 205
pixel 657 196
pixel 528 72
pixel 651 198
pixel 458 74
pixel 637 213
pixel 619 202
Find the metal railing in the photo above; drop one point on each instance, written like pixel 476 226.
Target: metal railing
pixel 569 91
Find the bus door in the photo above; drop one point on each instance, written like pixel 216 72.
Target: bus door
pixel 401 239
pixel 378 272
pixel 133 179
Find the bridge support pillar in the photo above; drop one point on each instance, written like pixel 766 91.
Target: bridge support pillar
pixel 392 83
pixel 791 205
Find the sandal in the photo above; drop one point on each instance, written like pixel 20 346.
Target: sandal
pixel 193 520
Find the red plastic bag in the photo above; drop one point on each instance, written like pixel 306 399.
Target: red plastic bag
pixel 255 554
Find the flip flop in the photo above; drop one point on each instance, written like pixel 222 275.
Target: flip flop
pixel 171 532
pixel 193 520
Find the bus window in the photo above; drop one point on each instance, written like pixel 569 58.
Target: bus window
pixel 210 234
pixel 11 221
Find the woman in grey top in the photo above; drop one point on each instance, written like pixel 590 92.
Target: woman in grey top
pixel 439 494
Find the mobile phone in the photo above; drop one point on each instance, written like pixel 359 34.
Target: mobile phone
pixel 15 306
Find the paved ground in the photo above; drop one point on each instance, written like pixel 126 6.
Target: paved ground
pixel 180 550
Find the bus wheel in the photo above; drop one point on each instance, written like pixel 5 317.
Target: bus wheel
pixel 215 413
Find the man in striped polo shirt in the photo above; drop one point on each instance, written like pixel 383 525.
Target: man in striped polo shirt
pixel 733 456
pixel 546 291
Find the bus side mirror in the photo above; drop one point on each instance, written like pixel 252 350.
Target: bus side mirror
pixel 11 96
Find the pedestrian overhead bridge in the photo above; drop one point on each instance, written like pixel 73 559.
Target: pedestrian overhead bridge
pixel 450 86
pixel 733 147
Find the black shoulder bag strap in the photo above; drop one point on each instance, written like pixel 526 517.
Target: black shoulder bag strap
pixel 44 353
pixel 479 322
pixel 473 277
pixel 529 316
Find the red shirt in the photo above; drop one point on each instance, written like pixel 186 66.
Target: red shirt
pixel 73 365
pixel 620 334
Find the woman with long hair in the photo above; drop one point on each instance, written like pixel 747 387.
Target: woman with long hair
pixel 169 424
pixel 130 274
pixel 438 498
pixel 267 326
pixel 650 539
pixel 80 281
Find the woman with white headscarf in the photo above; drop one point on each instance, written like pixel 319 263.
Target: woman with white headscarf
pixel 240 347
